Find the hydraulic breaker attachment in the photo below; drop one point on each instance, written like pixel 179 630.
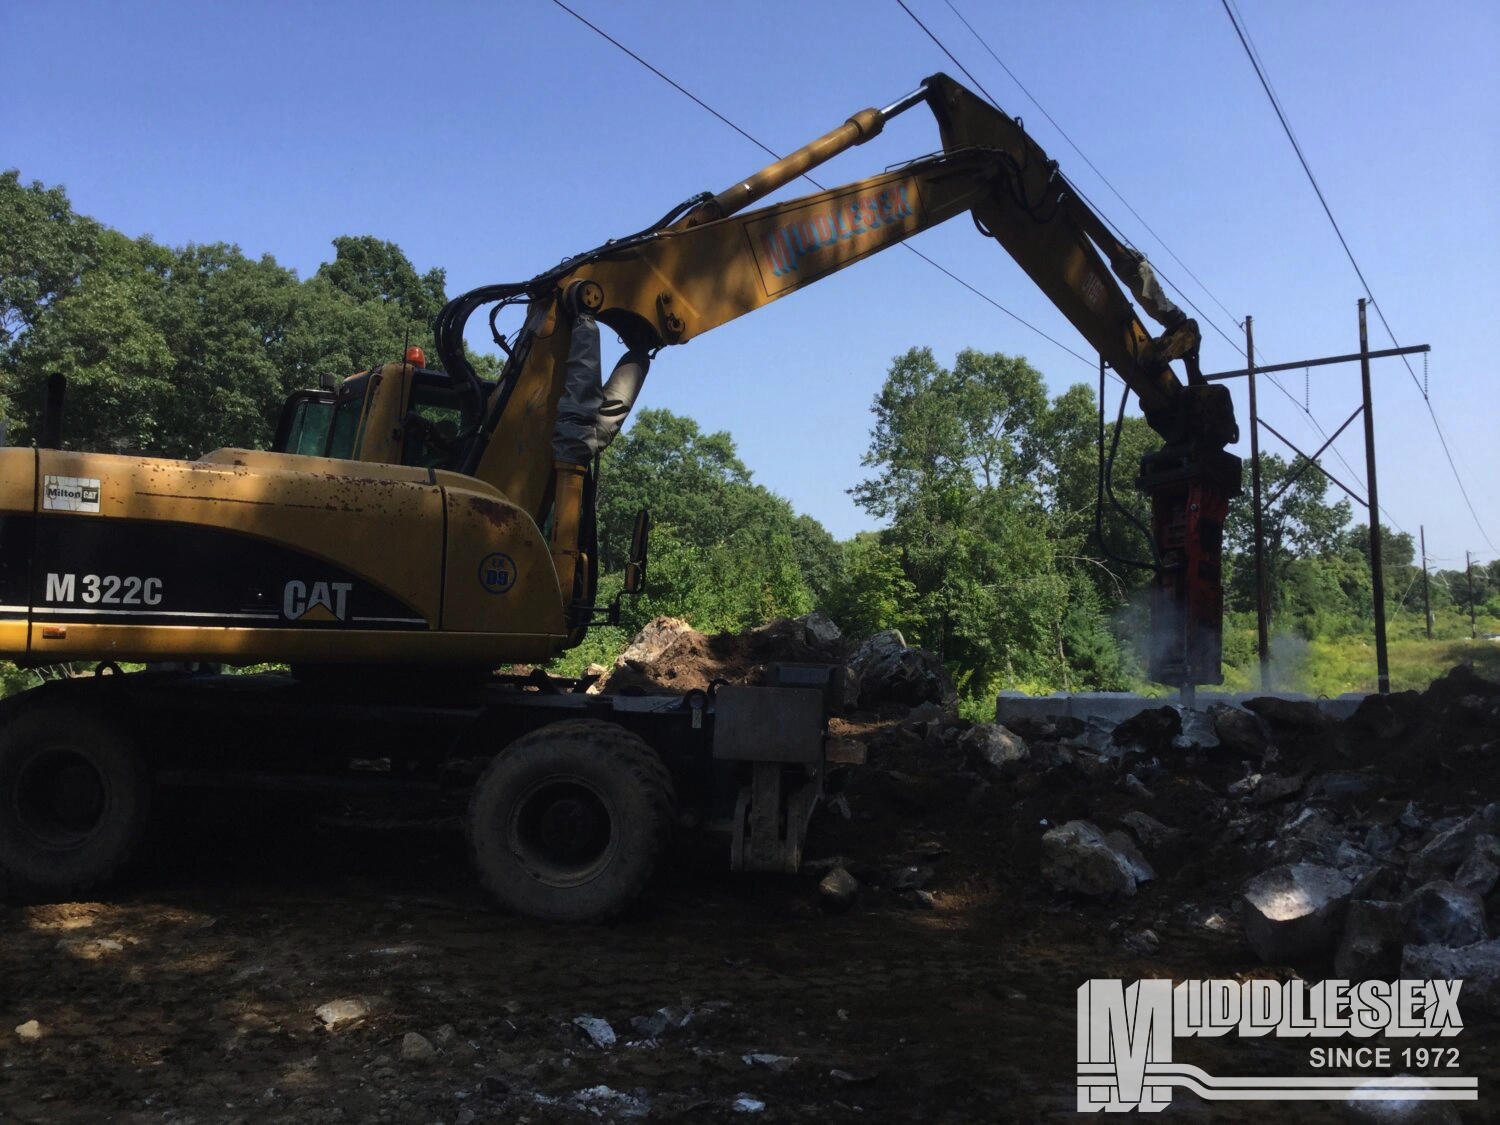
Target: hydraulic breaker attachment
pixel 1190 489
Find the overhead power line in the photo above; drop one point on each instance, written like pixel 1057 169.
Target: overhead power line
pixel 777 156
pixel 1210 321
pixel 1286 127
pixel 1084 157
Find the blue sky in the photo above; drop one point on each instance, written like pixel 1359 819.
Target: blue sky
pixel 495 139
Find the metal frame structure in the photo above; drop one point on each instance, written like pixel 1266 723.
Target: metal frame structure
pixel 1371 502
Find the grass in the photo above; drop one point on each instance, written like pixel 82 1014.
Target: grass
pixel 1329 666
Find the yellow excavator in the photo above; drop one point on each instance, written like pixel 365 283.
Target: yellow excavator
pixel 412 530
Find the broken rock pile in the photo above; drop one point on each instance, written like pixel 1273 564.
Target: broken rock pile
pixel 1367 847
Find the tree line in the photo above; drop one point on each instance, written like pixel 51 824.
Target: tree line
pixel 996 550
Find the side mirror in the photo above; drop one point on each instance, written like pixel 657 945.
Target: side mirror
pixel 635 568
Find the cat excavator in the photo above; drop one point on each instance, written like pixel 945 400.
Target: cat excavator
pixel 412 530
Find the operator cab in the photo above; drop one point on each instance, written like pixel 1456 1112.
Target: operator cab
pixel 397 414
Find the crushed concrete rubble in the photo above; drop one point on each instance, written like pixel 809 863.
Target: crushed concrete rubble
pixel 1295 910
pixel 961 878
pixel 338 1014
pixel 1079 857
pixel 1316 840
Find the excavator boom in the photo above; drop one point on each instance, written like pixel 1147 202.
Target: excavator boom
pixel 712 261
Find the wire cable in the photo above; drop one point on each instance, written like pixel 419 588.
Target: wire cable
pixel 1204 317
pixel 777 156
pixel 1210 321
pixel 1328 211
pixel 1094 168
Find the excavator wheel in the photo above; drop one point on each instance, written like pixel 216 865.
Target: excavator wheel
pixel 566 823
pixel 74 797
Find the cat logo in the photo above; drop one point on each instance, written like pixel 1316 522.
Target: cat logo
pixel 323 601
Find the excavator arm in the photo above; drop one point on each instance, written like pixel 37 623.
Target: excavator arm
pixel 712 260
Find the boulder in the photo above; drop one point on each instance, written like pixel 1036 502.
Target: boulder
pixel 1240 732
pixel 1125 846
pixel 1292 714
pixel 1345 785
pixel 1442 913
pixel 1151 832
pixel 337 1014
pixel 838 889
pixel 1370 948
pixel 1078 857
pixel 1387 716
pixel 1151 730
pixel 1382 840
pixel 890 672
pixel 1274 787
pixel 599 1031
pixel 820 632
pixel 1197 731
pixel 990 744
pixel 1481 870
pixel 1478 966
pixel 1445 851
pixel 648 645
pixel 1295 910
pixel 1308 836
pixel 416 1047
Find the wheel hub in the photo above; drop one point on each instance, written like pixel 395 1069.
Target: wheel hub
pixel 564 831
pixel 59 798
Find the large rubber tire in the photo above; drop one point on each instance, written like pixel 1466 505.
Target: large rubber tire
pixel 567 822
pixel 74 798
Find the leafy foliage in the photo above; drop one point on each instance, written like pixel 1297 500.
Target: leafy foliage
pixel 726 553
pixel 996 550
pixel 178 351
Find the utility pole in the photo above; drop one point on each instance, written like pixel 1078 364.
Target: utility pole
pixel 1426 590
pixel 1371 501
pixel 1262 608
pixel 1469 570
pixel 1377 563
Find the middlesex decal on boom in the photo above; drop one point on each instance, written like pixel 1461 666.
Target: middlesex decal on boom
pixel 795 247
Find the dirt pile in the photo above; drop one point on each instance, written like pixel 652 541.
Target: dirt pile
pixel 883 673
pixel 669 655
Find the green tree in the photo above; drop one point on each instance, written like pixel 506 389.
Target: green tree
pixel 959 458
pixel 726 552
pixel 44 250
pixel 371 271
pixel 870 591
pixel 105 335
pixel 177 352
pixel 1298 526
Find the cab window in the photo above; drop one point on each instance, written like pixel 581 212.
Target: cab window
pixel 304 424
pixel 347 426
pixel 433 423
